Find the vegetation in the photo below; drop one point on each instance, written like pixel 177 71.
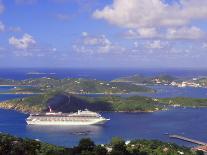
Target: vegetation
pixel 68 103
pixel 56 93
pixel 182 101
pixel 10 145
pixel 80 85
pixel 202 81
pixel 146 80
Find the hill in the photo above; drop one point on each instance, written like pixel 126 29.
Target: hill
pixel 146 80
pixel 75 86
pixel 10 145
pixel 67 103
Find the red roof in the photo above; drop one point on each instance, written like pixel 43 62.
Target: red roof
pixel 202 148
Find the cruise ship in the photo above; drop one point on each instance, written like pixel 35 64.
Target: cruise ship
pixel 84 117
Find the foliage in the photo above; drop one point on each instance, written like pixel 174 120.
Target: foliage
pixel 68 103
pixel 182 101
pixel 10 145
pixel 79 85
pixel 145 80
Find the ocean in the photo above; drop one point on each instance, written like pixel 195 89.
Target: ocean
pixel 100 74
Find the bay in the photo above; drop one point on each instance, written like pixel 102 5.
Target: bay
pixel 188 122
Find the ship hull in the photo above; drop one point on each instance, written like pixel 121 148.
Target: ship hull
pixel 78 123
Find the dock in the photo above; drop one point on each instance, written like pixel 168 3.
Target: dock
pixel 188 139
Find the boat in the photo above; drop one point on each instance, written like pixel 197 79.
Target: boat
pixel 84 117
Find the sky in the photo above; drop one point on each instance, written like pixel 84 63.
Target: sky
pixel 103 34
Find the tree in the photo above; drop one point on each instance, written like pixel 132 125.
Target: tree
pixel 118 146
pixel 199 152
pixel 99 150
pixel 86 144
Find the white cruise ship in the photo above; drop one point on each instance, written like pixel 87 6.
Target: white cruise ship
pixel 84 117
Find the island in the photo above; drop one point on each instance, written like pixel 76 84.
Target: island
pixel 70 103
pixel 72 94
pixel 164 80
pixel 184 102
pixel 140 79
pixel 73 86
pixel 11 145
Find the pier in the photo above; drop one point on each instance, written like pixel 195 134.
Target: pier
pixel 188 139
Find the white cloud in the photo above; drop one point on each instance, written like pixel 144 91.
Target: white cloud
pixel 84 34
pixel 1 7
pixel 156 44
pixel 170 33
pixel 142 33
pixel 155 18
pixel 63 16
pixel 96 44
pixel 25 1
pixel 204 45
pixel 184 33
pixel 2 27
pixel 14 29
pixel 22 43
pixel 152 13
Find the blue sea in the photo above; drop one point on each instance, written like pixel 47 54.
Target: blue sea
pixel 189 122
pixel 101 74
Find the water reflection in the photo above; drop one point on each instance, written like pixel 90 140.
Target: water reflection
pixel 72 130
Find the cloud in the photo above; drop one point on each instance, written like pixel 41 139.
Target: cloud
pixel 142 33
pixel 156 18
pixel 204 45
pixel 185 33
pixel 2 27
pixel 85 34
pixel 156 44
pixel 152 13
pixel 96 44
pixel 1 7
pixel 38 51
pixel 63 16
pixel 14 29
pixel 22 43
pixel 29 2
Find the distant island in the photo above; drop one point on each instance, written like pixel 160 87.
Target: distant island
pixel 140 79
pixel 73 86
pixel 165 80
